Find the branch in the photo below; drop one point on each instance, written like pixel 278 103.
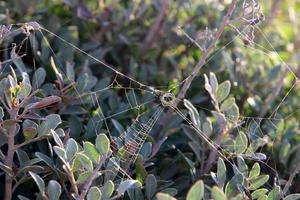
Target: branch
pixel 213 153
pixel 291 178
pixel 149 40
pixel 202 61
pixel 9 160
pixel 18 146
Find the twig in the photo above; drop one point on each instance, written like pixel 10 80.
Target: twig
pixel 202 61
pixel 149 40
pixel 72 180
pixel 89 182
pixel 291 178
pixel 213 152
pixel 10 155
pixel 30 141
pixel 273 11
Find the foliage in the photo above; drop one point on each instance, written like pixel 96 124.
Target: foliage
pixel 234 136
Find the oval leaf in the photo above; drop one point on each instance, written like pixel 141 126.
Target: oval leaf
pixel 102 144
pixel 94 194
pixel 196 192
pixel 53 190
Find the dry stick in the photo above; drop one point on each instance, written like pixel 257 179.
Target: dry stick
pixel 201 63
pixel 149 40
pixel 10 154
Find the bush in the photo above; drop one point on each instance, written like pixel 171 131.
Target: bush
pixel 105 100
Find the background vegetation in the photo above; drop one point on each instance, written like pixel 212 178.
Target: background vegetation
pixel 244 99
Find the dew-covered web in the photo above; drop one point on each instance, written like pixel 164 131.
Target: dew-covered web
pixel 127 143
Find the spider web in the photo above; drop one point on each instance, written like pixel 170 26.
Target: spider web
pixel 127 144
pixel 132 139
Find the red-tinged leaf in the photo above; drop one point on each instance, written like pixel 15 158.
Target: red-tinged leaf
pixel 47 101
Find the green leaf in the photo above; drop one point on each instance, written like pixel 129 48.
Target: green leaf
pixel 241 143
pixel 126 185
pixel 94 194
pixel 102 144
pixel 51 122
pixel 233 112
pixel 242 166
pixel 71 149
pixel 231 188
pixel 140 171
pixel 17 60
pixel 53 190
pixel 194 115
pixel 70 71
pixel 60 152
pixel 255 171
pixel 274 194
pixel 22 157
pixel 29 133
pixel 107 190
pixel 83 177
pixel 221 172
pixel 146 150
pixel 46 159
pixel 38 77
pixel 22 197
pixel 85 162
pixel 208 88
pixel 223 90
pixel 25 88
pixel 257 182
pixel 164 196
pixel 217 194
pixel 258 193
pixel 57 139
pixel 171 191
pixel 39 181
pixel 196 192
pixel 213 81
pixel 118 126
pixel 91 151
pixel 207 127
pixel 227 104
pixel 292 197
pixel 150 186
pixel 263 197
pixel 259 142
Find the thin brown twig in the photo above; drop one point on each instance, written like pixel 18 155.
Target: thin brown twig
pixel 153 32
pixel 213 153
pixel 291 178
pixel 9 160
